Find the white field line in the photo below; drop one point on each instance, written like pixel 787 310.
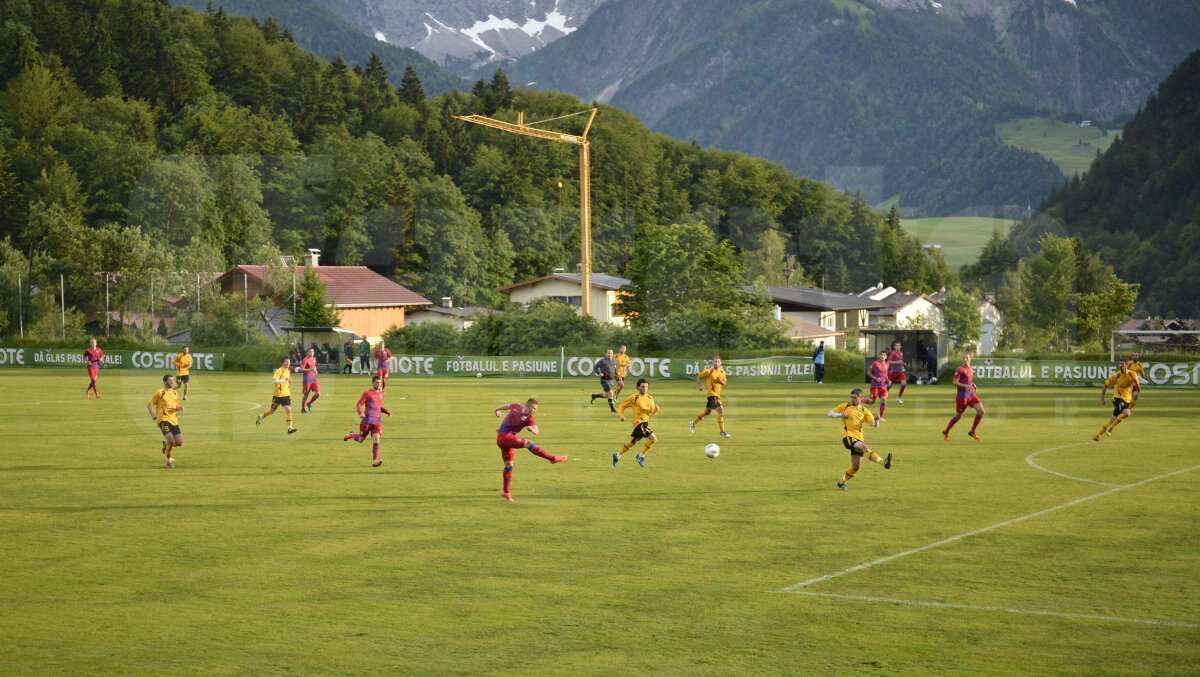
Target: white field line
pixel 1000 609
pixel 982 530
pixel 1030 461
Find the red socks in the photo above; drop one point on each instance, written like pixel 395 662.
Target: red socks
pixel 978 418
pixel 538 451
pixel 507 478
pixel 375 452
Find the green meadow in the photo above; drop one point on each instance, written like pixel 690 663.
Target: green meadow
pixel 1035 550
pixel 1067 145
pixel 961 237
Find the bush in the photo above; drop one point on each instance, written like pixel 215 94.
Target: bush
pixel 545 324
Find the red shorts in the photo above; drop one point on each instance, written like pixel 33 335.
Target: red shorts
pixel 93 373
pixel 382 373
pixel 365 429
pixel 314 387
pixel 898 377
pixel 507 442
pixel 961 403
pixel 879 391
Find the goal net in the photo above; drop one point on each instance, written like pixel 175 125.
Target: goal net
pixel 1156 344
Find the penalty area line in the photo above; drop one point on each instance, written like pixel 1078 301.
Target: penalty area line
pixel 981 530
pixel 998 609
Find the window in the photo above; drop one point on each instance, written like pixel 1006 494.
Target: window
pixel 576 301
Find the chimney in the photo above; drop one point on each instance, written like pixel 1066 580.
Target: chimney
pixel 312 258
pixel 447 302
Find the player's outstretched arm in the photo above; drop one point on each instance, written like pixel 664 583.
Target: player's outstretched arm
pixel 1103 391
pixel 500 409
pixel 836 414
pixel 535 430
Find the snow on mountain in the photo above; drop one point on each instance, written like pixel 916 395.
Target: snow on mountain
pixel 467 33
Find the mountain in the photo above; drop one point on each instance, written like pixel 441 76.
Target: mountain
pixel 1138 205
pixel 466 34
pixel 327 35
pixel 897 98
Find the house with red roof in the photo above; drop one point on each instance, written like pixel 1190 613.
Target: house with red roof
pixel 369 303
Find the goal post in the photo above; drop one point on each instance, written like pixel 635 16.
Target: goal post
pixel 1180 344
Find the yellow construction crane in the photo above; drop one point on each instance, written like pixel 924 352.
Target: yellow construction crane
pixel 585 182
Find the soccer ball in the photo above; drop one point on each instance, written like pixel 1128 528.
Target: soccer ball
pixel 479 374
pixel 712 451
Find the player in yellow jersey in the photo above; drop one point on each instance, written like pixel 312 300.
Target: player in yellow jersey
pixel 622 361
pixel 1135 368
pixel 1125 387
pixel 164 408
pixel 643 407
pixel 853 415
pixel 715 379
pixel 282 378
pixel 183 369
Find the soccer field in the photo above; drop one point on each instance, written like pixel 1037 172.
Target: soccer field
pixel 1033 551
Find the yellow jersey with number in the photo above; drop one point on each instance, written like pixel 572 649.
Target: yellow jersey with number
pixel 715 380
pixel 284 388
pixel 166 403
pixel 852 425
pixel 1122 383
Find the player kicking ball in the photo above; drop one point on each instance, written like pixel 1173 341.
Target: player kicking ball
pixel 369 408
pixel 853 415
pixel 518 418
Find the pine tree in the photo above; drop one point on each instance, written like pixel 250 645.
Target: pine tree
pixel 411 91
pixel 311 304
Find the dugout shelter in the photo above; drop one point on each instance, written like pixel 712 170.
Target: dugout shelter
pixel 924 350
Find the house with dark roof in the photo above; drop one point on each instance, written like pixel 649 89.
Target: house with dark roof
pixel 904 309
pixel 820 314
pixel 368 302
pixel 568 288
pixel 461 317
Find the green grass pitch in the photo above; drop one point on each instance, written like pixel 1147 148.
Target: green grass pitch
pixel 1033 551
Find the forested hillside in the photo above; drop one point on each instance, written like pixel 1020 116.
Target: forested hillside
pixel 320 31
pixel 1139 204
pixel 137 139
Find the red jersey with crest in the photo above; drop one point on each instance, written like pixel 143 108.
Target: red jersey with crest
pixel 515 421
pixel 370 407
pixel 93 356
pixel 965 374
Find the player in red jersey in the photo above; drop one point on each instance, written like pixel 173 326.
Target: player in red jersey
pixel 382 356
pixel 517 418
pixel 967 396
pixel 896 370
pixel 878 373
pixel 369 408
pixel 93 356
pixel 308 367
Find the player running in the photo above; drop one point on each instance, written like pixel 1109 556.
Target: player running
pixel 605 368
pixel 1135 368
pixel 643 407
pixel 164 408
pixel 966 396
pixel 383 358
pixel 93 356
pixel 622 360
pixel 878 373
pixel 308 367
pixel 369 408
pixel 1125 388
pixel 853 414
pixel 518 417
pixel 183 369
pixel 282 378
pixel 715 379
pixel 896 371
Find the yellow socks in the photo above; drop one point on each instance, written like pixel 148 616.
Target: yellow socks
pixel 267 413
pixel 646 449
pixel 872 456
pixel 170 448
pixel 849 474
pixel 626 447
pixel 289 420
pixel 700 417
pixel 721 422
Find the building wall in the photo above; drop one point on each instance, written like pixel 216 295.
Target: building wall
pixel 602 299
pixel 372 322
pixel 920 312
